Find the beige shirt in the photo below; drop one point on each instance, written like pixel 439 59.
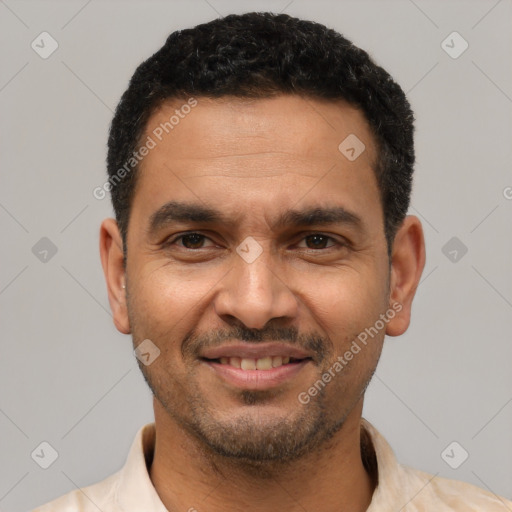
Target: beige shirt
pixel 399 489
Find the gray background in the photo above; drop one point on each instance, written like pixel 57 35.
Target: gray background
pixel 69 378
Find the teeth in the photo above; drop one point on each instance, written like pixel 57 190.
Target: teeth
pixel 235 361
pixel 248 364
pixel 263 363
pixel 277 361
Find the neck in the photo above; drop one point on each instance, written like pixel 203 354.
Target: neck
pixel 188 477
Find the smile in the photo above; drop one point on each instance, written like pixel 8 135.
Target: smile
pixel 262 363
pixel 256 366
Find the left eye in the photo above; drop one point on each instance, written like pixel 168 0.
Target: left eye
pixel 196 240
pixel 317 241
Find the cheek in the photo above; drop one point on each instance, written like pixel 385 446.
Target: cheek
pixel 346 302
pixel 160 309
pixel 346 305
pixel 165 296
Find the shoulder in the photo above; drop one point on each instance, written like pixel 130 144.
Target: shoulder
pixel 99 496
pixel 445 494
pixel 403 488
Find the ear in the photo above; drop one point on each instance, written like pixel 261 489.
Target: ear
pixel 111 251
pixel 407 262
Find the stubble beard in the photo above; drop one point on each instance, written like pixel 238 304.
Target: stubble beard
pixel 255 445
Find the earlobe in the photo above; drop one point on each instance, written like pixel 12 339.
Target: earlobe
pixel 407 263
pixel 111 252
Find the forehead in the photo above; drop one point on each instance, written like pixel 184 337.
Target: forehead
pixel 222 127
pixel 252 155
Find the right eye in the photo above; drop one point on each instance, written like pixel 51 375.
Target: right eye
pixel 190 241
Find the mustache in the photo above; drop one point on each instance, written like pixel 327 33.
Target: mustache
pixel 319 345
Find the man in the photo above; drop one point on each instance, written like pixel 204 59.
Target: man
pixel 260 168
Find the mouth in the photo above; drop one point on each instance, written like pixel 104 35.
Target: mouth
pixel 265 363
pixel 259 366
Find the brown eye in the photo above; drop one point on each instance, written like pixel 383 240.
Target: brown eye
pixel 190 241
pixel 317 241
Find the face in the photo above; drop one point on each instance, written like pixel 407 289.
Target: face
pixel 256 256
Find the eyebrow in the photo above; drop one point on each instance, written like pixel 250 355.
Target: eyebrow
pixel 182 212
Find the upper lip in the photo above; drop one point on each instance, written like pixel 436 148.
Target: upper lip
pixel 255 351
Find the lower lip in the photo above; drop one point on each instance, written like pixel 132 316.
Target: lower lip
pixel 257 379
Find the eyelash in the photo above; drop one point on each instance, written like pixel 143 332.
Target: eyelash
pixel 336 242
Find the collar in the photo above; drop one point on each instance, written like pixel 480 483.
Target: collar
pixel 136 491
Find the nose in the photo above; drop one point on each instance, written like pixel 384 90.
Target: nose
pixel 254 293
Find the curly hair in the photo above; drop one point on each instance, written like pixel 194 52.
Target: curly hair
pixel 260 55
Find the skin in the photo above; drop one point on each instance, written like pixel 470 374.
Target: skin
pixel 253 159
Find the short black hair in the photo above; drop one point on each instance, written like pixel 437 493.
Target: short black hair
pixel 260 55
